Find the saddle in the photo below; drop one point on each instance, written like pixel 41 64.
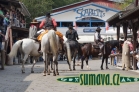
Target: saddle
pixel 37 41
pixel 96 46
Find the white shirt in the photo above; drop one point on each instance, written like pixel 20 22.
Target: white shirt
pixel 96 36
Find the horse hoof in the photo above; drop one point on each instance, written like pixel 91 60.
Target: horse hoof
pixel 48 73
pixel 70 69
pixel 74 69
pixel 32 71
pixel 54 74
pixel 57 73
pixel 107 68
pixel 23 71
pixel 102 69
pixel 44 74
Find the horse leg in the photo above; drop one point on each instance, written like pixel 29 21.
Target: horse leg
pixel 23 62
pixel 74 63
pixel 48 64
pixel 87 63
pixel 34 59
pixel 54 59
pixel 51 60
pixel 68 63
pixel 44 58
pixel 107 62
pixel 82 59
pixel 56 62
pixel 102 63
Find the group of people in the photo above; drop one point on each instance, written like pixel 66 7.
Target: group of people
pixel 8 17
pixel 49 23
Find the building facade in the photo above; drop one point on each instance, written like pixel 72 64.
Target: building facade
pixel 86 16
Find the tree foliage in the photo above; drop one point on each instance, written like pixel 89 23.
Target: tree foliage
pixel 40 7
pixel 59 3
pixel 124 4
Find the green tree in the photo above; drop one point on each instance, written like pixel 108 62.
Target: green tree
pixel 37 8
pixel 59 3
pixel 40 7
pixel 124 4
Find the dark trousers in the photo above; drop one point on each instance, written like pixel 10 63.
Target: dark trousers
pixel 5 29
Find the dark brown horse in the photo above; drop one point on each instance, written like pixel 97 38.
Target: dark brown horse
pixel 108 46
pixel 72 48
pixel 88 50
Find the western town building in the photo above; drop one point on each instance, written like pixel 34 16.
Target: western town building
pixel 86 15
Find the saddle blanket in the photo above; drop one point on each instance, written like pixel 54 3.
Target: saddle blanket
pixel 43 33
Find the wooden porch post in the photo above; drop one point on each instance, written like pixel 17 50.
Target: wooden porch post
pixel 125 30
pixel 134 45
pixel 118 32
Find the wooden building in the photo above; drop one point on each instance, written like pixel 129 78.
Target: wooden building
pixel 17 28
pixel 129 19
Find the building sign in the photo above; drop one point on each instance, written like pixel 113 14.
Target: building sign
pixel 86 30
pixel 89 12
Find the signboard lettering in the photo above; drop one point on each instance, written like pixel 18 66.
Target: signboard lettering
pixel 89 12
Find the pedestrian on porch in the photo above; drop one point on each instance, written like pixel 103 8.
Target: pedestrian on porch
pixel 127 47
pixel 1 37
pixel 6 22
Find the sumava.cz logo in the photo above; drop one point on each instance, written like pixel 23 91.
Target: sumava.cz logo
pixel 99 79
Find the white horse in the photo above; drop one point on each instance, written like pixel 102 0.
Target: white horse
pixel 27 47
pixel 49 47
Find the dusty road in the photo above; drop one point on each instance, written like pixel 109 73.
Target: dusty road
pixel 12 80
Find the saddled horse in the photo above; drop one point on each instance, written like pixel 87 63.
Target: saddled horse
pixel 88 50
pixel 72 48
pixel 49 47
pixel 108 46
pixel 27 47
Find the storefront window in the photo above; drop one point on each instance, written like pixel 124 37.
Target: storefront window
pixel 83 24
pixel 96 24
pixel 58 24
pixel 66 24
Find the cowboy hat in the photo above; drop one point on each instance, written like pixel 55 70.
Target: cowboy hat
pixel 34 21
pixel 48 14
pixel 70 27
pixel 98 28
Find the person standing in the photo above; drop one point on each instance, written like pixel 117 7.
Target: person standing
pixel 6 22
pixel 1 37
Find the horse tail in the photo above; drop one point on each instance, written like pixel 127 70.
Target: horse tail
pixel 14 49
pixel 68 52
pixel 53 41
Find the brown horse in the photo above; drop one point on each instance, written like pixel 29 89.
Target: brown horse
pixel 88 50
pixel 108 46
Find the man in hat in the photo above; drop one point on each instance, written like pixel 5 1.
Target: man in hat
pixel 98 39
pixel 72 34
pixel 33 29
pixel 48 23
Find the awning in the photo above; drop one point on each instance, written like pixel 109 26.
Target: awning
pixel 24 9
pixel 132 14
pixel 83 39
